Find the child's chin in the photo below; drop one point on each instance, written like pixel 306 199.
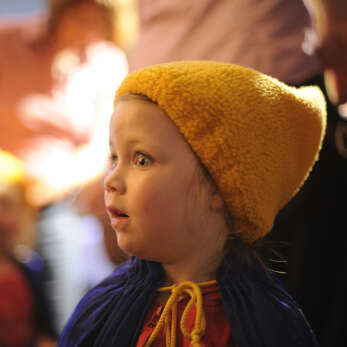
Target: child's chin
pixel 130 249
pixel 142 252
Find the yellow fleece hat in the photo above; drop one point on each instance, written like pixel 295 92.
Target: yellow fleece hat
pixel 257 137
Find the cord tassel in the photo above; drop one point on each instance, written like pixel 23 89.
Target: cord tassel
pixel 169 314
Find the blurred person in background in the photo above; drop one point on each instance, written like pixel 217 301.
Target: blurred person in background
pixel 57 79
pixel 275 37
pixel 56 87
pixel 329 41
pixel 25 315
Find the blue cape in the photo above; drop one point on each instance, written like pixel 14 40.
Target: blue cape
pixel 260 312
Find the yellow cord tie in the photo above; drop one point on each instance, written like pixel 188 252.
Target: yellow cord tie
pixel 169 314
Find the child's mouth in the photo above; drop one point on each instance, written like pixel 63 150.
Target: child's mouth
pixel 122 215
pixel 118 217
pixel 118 213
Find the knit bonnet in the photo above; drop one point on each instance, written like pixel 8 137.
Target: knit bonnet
pixel 257 137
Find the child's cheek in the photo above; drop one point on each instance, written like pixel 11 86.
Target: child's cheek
pixel 152 203
pixel 149 200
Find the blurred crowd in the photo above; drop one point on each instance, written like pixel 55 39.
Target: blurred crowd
pixel 59 70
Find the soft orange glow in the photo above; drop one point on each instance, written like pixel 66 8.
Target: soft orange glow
pixel 81 103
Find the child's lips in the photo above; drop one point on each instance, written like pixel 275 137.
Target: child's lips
pixel 118 217
pixel 119 222
pixel 116 212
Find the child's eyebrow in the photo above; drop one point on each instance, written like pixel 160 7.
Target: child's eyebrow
pixel 134 141
pixel 139 140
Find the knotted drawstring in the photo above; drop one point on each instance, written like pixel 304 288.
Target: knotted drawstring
pixel 169 314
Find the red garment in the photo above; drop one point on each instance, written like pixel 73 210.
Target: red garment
pixel 217 332
pixel 16 309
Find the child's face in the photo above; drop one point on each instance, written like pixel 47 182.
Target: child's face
pixel 155 182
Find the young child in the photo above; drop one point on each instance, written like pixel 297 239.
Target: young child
pixel 204 155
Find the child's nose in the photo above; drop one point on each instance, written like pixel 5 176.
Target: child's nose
pixel 113 182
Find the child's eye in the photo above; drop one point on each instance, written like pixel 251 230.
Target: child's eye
pixel 142 160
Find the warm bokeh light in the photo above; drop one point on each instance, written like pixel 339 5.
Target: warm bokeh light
pixel 81 104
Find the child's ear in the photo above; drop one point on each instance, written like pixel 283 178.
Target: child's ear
pixel 216 201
